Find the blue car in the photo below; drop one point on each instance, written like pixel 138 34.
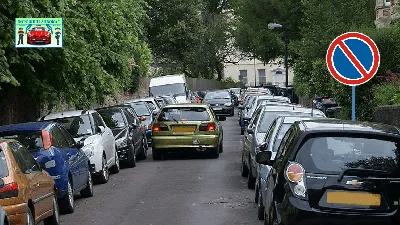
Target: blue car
pixel 56 152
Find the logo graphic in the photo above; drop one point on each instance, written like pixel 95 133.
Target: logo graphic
pixel 196 142
pixel 354 183
pixel 353 58
pixel 39 32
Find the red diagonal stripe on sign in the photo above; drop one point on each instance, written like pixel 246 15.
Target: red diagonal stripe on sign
pixel 353 59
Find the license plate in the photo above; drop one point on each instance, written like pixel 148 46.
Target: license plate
pixel 217 108
pixel 183 129
pixel 353 198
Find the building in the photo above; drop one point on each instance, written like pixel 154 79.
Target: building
pixel 250 72
pixel 386 12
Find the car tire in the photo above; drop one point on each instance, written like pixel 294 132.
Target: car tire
pixel 103 174
pixel 242 130
pixel 88 191
pixel 251 181
pixel 67 203
pixel 244 170
pixel 215 152
pixel 145 148
pixel 55 218
pixel 156 154
pixel 132 160
pixel 29 217
pixel 116 167
pixel 260 208
pixel 256 193
pixel 221 147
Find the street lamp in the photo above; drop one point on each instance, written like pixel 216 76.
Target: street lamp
pixel 272 26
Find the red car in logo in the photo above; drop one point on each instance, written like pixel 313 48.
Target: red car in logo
pixel 39 35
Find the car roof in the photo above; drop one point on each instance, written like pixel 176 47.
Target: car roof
pixel 292 119
pixel 344 125
pixel 111 107
pixel 31 126
pixel 142 99
pixel 290 108
pixel 64 114
pixel 186 105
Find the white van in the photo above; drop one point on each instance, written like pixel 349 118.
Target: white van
pixel 170 85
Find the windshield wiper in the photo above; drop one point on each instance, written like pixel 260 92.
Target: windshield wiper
pixel 361 170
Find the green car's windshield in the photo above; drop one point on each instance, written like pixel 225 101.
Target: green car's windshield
pixel 184 114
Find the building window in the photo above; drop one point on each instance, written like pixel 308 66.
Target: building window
pixel 243 76
pixel 261 76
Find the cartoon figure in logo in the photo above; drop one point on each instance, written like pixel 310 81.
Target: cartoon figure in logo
pixel 58 35
pixel 39 34
pixel 21 36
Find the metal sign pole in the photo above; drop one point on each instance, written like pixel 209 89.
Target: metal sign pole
pixel 353 103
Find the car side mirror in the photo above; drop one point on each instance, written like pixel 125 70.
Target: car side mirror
pixel 142 118
pixel 263 147
pixel 264 158
pixel 100 129
pixel 80 144
pixel 222 118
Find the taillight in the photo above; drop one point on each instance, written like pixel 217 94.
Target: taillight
pixel 47 139
pixel 159 127
pixel 9 190
pixel 295 175
pixel 207 127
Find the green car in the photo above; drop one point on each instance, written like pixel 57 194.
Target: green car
pixel 187 127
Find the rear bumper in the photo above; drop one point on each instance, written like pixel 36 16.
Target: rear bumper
pixel 223 111
pixel 186 141
pixel 16 213
pixel 303 214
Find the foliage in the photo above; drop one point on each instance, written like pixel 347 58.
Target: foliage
pixel 98 59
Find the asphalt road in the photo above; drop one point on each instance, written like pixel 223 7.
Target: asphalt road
pixel 180 190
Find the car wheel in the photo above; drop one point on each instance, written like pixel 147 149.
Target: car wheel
pixel 215 152
pixel 242 130
pixel 132 160
pixel 256 193
pixel 244 169
pixel 55 218
pixel 104 174
pixel 260 208
pixel 145 147
pixel 116 167
pixel 29 217
pixel 251 181
pixel 67 203
pixel 88 191
pixel 156 154
pixel 269 217
pixel 221 147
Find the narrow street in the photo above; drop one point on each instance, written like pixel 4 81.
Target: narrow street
pixel 176 191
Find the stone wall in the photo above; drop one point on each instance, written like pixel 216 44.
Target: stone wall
pixel 387 114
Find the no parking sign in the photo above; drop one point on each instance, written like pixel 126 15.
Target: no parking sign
pixel 353 59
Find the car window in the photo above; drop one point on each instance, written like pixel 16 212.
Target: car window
pixel 270 131
pixel 3 164
pixel 98 121
pixel 29 160
pixel 255 118
pixel 77 126
pixel 141 109
pixel 113 117
pixel 18 158
pixel 331 155
pixel 68 138
pixel 58 138
pixel 217 95
pixel 129 116
pixel 32 140
pixel 151 105
pixel 184 114
pixel 283 145
pixel 278 139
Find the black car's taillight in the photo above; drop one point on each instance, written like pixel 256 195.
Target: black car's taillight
pixel 159 127
pixel 207 127
pixel 295 175
pixel 9 190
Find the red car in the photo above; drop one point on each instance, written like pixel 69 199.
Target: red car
pixel 39 35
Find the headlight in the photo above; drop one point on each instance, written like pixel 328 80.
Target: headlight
pixel 121 143
pixel 89 150
pixel 228 104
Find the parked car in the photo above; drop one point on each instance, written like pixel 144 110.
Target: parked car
pixel 130 139
pixel 144 113
pixel 4 217
pixel 257 130
pixel 151 102
pixel 97 137
pixel 325 169
pixel 27 193
pixel 55 149
pixel 39 34
pixel 221 102
pixel 170 100
pixel 187 127
pixel 161 101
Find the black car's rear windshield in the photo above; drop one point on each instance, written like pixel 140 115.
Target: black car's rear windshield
pixel 184 114
pixel 113 118
pixel 332 155
pixel 141 109
pixel 31 140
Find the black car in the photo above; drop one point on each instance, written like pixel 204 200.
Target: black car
pixel 129 137
pixel 221 102
pixel 333 170
pixel 144 113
